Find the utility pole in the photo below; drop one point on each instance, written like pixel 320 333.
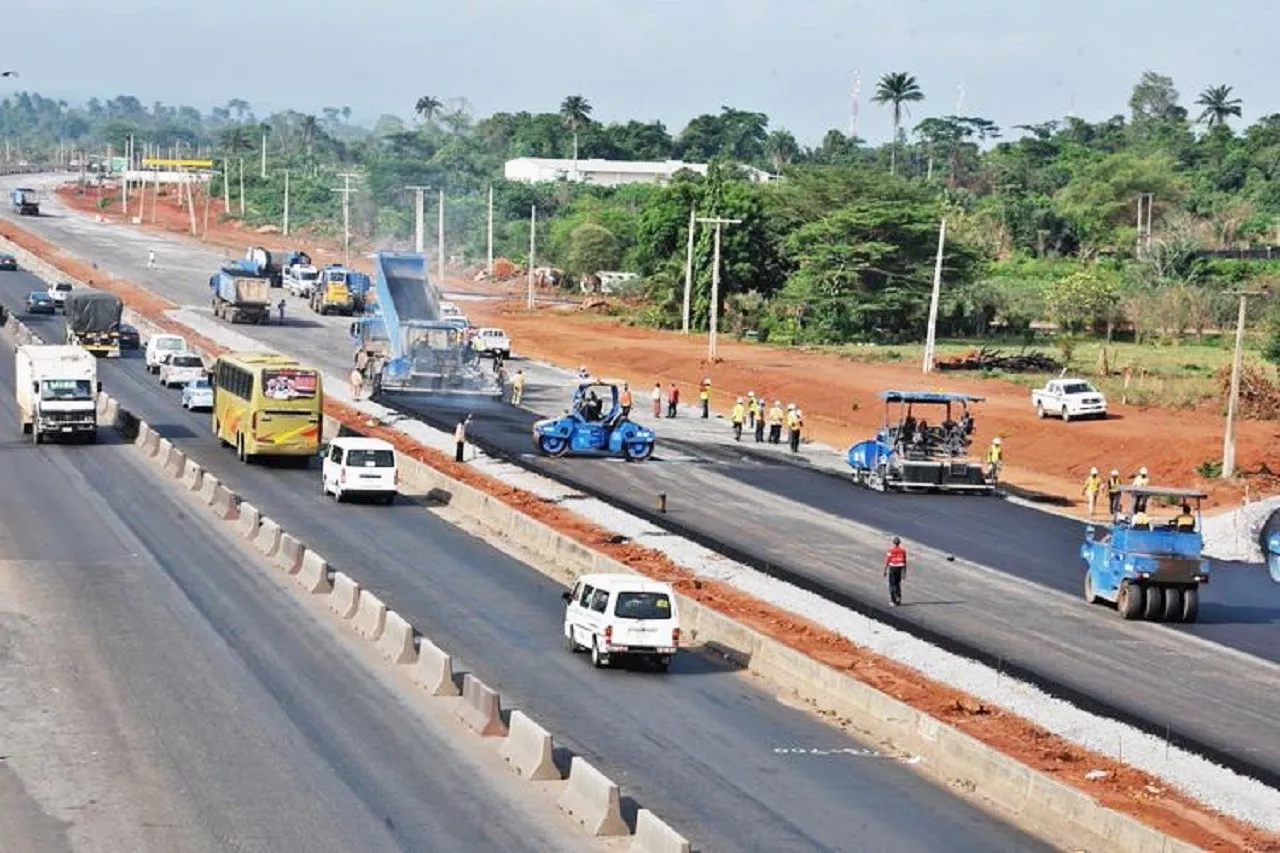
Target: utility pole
pixel 440 244
pixel 853 113
pixel 931 335
pixel 241 186
pixel 208 194
pixel 533 245
pixel 226 187
pixel 418 204
pixel 191 203
pixel 688 271
pixel 124 182
pixel 264 155
pixel 346 191
pixel 285 226
pixel 1233 401
pixel 715 281
pixel 490 267
pixel 1146 201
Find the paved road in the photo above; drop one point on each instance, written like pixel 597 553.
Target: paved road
pixel 809 527
pixel 696 746
pixel 158 691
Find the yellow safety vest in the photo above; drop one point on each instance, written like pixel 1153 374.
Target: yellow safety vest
pixel 993 453
pixel 775 416
pixel 739 413
pixel 1092 484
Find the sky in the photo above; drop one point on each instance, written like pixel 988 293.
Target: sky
pixel 1012 61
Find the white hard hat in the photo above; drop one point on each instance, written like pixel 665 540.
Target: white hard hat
pixel 751 393
pixel 1142 471
pixel 1115 473
pixel 1093 470
pixel 996 440
pixel 791 405
pixel 739 399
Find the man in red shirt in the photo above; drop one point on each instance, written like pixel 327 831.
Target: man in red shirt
pixel 895 566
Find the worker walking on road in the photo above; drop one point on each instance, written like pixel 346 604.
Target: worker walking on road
pixel 759 425
pixel 1092 485
pixel 624 400
pixel 280 307
pixel 151 259
pixel 1140 480
pixel 704 397
pixel 657 399
pixel 460 438
pixel 753 410
pixel 895 568
pixel 739 415
pixel 1113 493
pixel 357 383
pixel 517 387
pixel 776 416
pixel 673 400
pixel 995 459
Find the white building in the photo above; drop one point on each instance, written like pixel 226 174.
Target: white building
pixel 607 173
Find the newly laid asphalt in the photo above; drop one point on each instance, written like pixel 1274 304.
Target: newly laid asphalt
pixel 701 746
pixel 159 692
pixel 1012 598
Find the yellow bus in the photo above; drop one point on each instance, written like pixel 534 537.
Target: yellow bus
pixel 266 405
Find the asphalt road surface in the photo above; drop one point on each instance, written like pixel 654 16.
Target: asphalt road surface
pixel 699 746
pixel 815 529
pixel 158 691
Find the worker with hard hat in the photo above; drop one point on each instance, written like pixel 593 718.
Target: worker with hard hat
pixel 704 397
pixel 995 458
pixel 895 568
pixel 737 417
pixel 758 426
pixel 1113 492
pixel 753 410
pixel 1140 480
pixel 797 425
pixel 776 416
pixel 1092 485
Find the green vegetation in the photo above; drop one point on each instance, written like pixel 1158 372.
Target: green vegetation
pixel 1042 228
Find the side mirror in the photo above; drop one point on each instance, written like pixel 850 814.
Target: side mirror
pixel 99 386
pixel 566 597
pixel 35 387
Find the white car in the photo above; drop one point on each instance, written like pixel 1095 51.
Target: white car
pixel 448 309
pixel 355 465
pixel 490 341
pixel 622 616
pixel 300 280
pixel 180 368
pixel 58 293
pixel 197 394
pixel 161 346
pixel 1069 398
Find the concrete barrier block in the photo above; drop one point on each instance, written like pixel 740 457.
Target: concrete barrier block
pixel 224 504
pixel 100 405
pixel 593 800
pixel 163 446
pixel 192 476
pixel 247 522
pixel 314 574
pixel 396 642
pixel 209 487
pixel 344 596
pixel 434 670
pixel 654 836
pixel 528 749
pixel 267 539
pixel 174 461
pixel 110 412
pixel 371 616
pixel 480 708
pixel 288 557
pixel 148 440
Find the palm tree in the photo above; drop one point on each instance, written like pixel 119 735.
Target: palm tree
pixel 1218 105
pixel 427 106
pixel 576 112
pixel 897 88
pixel 781 148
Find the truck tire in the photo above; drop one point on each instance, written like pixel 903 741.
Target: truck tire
pixel 1190 604
pixel 1066 416
pixel 1130 600
pixel 1172 604
pixel 1153 604
pixel 1040 411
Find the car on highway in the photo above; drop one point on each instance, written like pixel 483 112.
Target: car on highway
pixel 180 368
pixel 160 347
pixel 359 466
pixel 620 615
pixel 491 341
pixel 8 262
pixel 128 336
pixel 197 394
pixel 39 302
pixel 58 293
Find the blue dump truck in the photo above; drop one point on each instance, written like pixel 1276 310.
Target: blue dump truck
pixel 1148 561
pixel 241 294
pixel 26 201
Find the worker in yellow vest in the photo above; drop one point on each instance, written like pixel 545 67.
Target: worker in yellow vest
pixel 739 415
pixel 753 410
pixel 796 426
pixel 704 396
pixel 1092 485
pixel 1113 492
pixel 776 416
pixel 995 458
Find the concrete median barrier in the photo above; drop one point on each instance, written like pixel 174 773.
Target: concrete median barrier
pixel 654 836
pixel 593 800
pixel 209 487
pixel 174 461
pixel 148 440
pixel 110 412
pixel 434 670
pixel 163 446
pixel 288 557
pixel 480 708
pixel 247 522
pixel 314 574
pixel 344 596
pixel 224 504
pixel 371 616
pixel 529 750
pixel 192 476
pixel 396 642
pixel 267 539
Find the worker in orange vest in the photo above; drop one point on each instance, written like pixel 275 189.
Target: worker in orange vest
pixel 895 568
pixel 624 399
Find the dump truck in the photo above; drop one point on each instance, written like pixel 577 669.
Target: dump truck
pixel 333 292
pixel 26 201
pixel 93 321
pixel 241 295
pixel 57 389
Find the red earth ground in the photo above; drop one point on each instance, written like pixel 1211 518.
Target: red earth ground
pixel 1123 789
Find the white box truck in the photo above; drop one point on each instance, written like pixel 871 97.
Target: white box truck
pixel 57 389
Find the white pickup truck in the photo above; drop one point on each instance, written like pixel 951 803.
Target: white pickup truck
pixel 1069 398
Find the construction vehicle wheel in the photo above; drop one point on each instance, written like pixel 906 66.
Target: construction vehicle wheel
pixel 553 445
pixel 1190 605
pixel 1130 600
pixel 1089 595
pixel 637 451
pixel 1172 604
pixel 1153 604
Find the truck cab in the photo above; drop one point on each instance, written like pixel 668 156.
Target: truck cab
pixel 332 294
pixel 1148 561
pixel 57 388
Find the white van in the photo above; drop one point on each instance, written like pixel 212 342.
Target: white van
pixel 354 465
pixel 160 347
pixel 622 615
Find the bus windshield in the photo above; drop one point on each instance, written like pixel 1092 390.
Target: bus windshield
pixel 288 384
